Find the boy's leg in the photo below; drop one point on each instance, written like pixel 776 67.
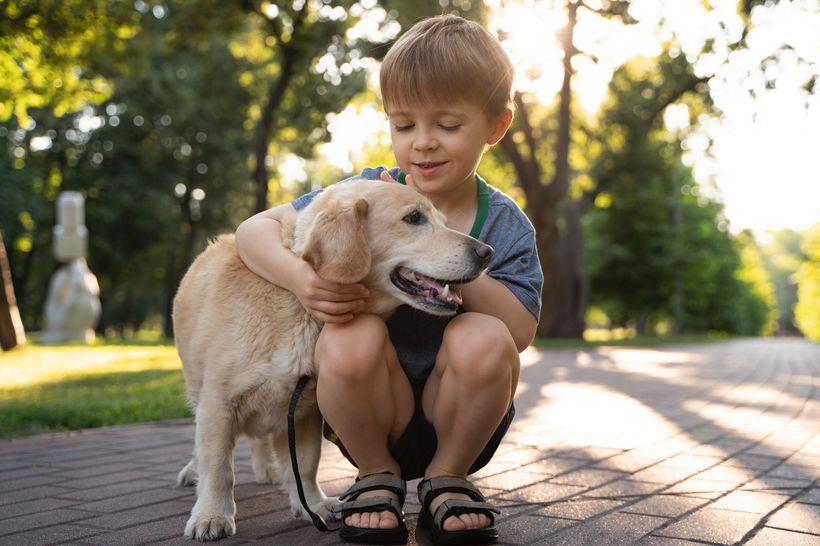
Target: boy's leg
pixel 467 395
pixel 365 397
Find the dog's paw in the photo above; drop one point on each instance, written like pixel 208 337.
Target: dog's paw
pixel 187 476
pixel 268 474
pixel 323 508
pixel 211 527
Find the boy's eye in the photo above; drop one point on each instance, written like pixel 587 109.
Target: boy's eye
pixel 450 127
pixel 415 218
pixel 401 128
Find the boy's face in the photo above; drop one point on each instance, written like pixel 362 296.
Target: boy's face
pixel 440 144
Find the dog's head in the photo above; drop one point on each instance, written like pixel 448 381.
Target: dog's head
pixel 393 240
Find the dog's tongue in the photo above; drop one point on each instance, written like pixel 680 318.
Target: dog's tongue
pixel 433 287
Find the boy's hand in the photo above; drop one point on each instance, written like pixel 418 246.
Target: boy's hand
pixel 329 301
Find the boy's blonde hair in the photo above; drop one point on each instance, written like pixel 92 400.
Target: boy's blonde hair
pixel 447 58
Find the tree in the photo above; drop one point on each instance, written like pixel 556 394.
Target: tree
pixel 783 257
pixel 541 151
pixel 49 50
pixel 807 311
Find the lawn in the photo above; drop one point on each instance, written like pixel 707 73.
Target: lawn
pixel 77 386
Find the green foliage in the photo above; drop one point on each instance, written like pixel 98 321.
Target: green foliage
pixel 783 257
pixel 807 311
pixel 658 248
pixel 49 50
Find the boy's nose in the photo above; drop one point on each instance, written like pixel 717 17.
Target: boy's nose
pixel 424 142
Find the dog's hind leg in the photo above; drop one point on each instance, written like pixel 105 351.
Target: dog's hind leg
pixel 213 515
pixel 308 454
pixel 263 459
pixel 187 476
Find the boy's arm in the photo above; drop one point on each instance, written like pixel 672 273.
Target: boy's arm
pixel 489 296
pixel 260 246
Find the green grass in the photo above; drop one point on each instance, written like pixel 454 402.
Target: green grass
pixel 60 388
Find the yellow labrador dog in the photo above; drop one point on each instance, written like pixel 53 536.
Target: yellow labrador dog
pixel 244 342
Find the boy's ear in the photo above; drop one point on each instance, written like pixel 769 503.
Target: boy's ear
pixel 500 125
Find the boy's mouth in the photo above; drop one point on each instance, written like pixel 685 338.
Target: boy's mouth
pixel 427 166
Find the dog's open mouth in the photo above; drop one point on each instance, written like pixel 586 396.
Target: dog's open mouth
pixel 437 291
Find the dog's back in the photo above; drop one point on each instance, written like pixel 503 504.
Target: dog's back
pixel 226 319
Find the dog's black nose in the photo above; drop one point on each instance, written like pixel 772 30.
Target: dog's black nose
pixel 483 252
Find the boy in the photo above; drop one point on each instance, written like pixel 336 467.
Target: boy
pixel 423 396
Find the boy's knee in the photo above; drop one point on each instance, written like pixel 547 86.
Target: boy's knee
pixel 480 347
pixel 351 348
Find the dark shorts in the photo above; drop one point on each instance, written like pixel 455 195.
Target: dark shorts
pixel 415 448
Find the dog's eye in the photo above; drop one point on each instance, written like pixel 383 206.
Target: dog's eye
pixel 415 218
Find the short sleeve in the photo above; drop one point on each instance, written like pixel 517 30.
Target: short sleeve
pixel 519 269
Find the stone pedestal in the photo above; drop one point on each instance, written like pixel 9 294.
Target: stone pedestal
pixel 73 302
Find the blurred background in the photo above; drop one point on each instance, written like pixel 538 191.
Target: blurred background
pixel 665 150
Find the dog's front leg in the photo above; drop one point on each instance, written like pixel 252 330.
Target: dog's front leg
pixel 213 514
pixel 308 453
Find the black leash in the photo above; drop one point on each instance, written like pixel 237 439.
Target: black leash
pixel 318 522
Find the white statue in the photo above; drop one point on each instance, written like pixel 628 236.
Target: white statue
pixel 73 303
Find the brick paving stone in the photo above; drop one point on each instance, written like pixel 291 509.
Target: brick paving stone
pixel 28 482
pixel 38 519
pixel 579 509
pixel 666 541
pixel 771 484
pixel 510 480
pixel 107 479
pixel 134 500
pixel 135 516
pixel 812 496
pixel 768 536
pixel 797 516
pixel 23 495
pixel 588 477
pixel 665 505
pixel 33 506
pixel 522 530
pixel 711 525
pixel 699 488
pixel 56 534
pixel 168 529
pixel 610 529
pixel 539 493
pixel 663 473
pixel 750 501
pixel 113 490
pixel 624 489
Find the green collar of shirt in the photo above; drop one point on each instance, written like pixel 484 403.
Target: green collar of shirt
pixel 483 203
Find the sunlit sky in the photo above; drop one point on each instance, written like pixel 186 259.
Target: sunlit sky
pixel 765 151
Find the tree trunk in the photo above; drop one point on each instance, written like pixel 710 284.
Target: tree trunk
pixel 264 131
pixel 12 333
pixel 560 249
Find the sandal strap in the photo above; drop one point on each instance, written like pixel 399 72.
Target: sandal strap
pixel 431 488
pixel 454 507
pixel 371 504
pixel 381 481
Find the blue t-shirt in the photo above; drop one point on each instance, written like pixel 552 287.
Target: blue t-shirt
pixel 416 335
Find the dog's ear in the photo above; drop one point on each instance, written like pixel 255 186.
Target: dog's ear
pixel 336 244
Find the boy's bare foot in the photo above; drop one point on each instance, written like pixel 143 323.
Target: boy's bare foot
pixel 462 521
pixel 374 520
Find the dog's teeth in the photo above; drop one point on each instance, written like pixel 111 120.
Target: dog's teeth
pixel 446 291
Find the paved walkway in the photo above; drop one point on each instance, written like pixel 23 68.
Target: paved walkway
pixel 703 444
